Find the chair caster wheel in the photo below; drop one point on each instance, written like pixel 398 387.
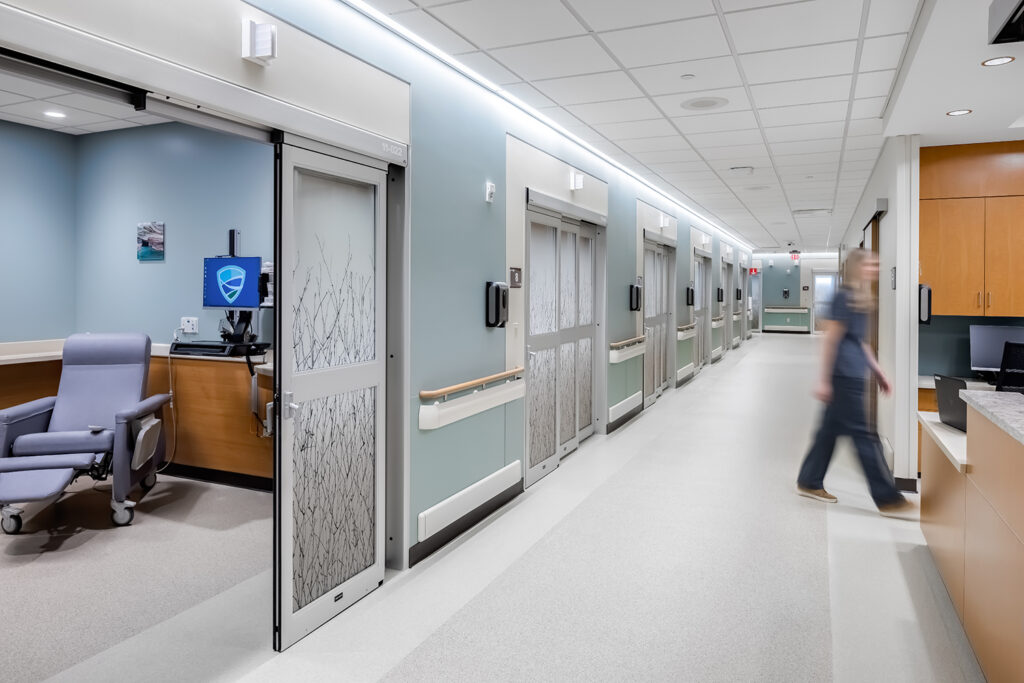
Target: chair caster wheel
pixel 148 482
pixel 122 517
pixel 11 525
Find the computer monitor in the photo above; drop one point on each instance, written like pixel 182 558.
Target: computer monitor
pixel 987 345
pixel 231 282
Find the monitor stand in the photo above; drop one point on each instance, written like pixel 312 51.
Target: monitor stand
pixel 236 340
pixel 238 329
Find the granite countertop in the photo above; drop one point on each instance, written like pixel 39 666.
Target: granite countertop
pixel 1004 409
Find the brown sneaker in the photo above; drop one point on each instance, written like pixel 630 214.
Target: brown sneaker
pixel 899 508
pixel 817 494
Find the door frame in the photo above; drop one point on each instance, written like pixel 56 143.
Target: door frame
pixel 815 272
pixel 668 254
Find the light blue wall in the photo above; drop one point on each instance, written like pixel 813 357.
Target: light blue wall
pixel 37 233
pixel 944 346
pixel 200 183
pixel 774 280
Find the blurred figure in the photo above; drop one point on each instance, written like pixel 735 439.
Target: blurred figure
pixel 846 360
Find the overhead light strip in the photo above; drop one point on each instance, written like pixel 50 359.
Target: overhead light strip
pixel 396 28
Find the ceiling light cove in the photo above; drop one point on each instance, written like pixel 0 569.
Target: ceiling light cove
pixel 53 114
pixel 997 61
pixel 959 112
pixel 704 103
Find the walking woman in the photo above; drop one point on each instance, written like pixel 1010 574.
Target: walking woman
pixel 846 360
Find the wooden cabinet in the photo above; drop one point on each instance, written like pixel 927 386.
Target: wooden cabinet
pixel 952 255
pixel 967 253
pixel 1004 243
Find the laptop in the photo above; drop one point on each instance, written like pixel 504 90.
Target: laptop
pixel 952 409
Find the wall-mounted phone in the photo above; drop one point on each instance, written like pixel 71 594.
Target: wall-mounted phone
pixel 636 297
pixel 689 296
pixel 739 294
pixel 785 293
pixel 721 295
pixel 924 304
pixel 496 311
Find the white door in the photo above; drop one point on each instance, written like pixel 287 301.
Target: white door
pixel 702 309
pixel 329 498
pixel 825 284
pixel 657 309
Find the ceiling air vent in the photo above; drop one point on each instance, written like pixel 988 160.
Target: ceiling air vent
pixel 1006 21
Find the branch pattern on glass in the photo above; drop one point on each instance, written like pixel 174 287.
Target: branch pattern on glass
pixel 567 392
pixel 334 492
pixel 586 380
pixel 542 406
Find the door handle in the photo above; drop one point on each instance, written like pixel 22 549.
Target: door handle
pixel 979 299
pixel 989 300
pixel 291 408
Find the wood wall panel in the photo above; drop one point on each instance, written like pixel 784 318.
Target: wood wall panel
pixel 26 382
pixel 1004 244
pixel 993 169
pixel 952 256
pixel 943 510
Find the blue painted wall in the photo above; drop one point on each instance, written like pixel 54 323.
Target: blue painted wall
pixel 200 183
pixel 944 346
pixel 37 233
pixel 774 279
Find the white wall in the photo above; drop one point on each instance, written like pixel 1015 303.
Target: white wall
pixel 895 178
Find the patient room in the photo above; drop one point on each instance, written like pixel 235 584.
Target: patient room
pixel 136 369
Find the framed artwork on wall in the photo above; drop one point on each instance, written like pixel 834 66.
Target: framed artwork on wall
pixel 149 241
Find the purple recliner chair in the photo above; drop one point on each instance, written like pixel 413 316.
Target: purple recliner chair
pixel 99 423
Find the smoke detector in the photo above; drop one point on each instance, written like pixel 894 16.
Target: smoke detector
pixel 704 103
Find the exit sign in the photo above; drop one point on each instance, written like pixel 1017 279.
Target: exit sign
pixel 795 257
pixel 753 271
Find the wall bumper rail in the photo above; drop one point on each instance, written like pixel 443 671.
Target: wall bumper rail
pixel 684 332
pixel 446 411
pixel 626 349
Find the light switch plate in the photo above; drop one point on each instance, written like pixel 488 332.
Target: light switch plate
pixel 190 325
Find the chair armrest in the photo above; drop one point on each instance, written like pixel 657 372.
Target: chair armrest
pixel 31 463
pixel 26 411
pixel 146 406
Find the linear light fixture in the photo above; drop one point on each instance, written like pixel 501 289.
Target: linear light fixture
pixel 442 56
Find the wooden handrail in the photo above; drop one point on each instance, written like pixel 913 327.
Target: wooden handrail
pixel 627 342
pixel 721 317
pixel 684 328
pixel 438 393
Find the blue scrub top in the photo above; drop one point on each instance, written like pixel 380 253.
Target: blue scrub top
pixel 850 358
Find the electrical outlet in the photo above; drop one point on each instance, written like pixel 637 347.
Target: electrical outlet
pixel 190 325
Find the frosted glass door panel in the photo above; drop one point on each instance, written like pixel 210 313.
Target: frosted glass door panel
pixel 543 279
pixel 586 294
pixel 333 276
pixel 567 281
pixel 586 382
pixel 566 392
pixel 542 405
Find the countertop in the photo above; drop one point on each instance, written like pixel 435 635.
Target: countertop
pixel 950 441
pixel 1004 409
pixel 12 353
pixel 928 382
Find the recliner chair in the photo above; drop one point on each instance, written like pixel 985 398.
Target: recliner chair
pixel 99 424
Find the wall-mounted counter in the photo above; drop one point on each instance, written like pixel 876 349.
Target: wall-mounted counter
pixel 972 515
pixel 786 319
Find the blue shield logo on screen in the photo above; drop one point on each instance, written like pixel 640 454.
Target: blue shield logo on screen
pixel 230 281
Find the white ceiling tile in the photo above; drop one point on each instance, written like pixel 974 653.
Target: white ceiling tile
pixel 613 85
pixel 619 110
pixel 24 120
pixel 530 95
pixel 735 137
pixel 107 125
pixel 799 170
pixel 812 131
pixel 28 87
pixel 484 65
pixel 874 84
pixel 801 62
pixel 736 5
pixel 671 42
pixel 807 91
pixel 818 21
pixel 391 6
pixel 758 151
pixel 494 23
pixel 34 109
pixel 864 142
pixel 865 127
pixel 860 155
pixel 654 144
pixel 693 177
pixel 95 105
pixel 804 113
pixel 673 104
pixel 556 58
pixel 890 16
pixel 807 146
pixel 635 129
pixel 145 119
pixel 72 131
pixel 434 32
pixel 882 53
pixel 678 166
pixel 870 107
pixel 561 117
pixel 708 74
pixel 786 160
pixel 666 155
pixel 857 166
pixel 11 98
pixel 713 123
pixel 586 133
pixel 602 15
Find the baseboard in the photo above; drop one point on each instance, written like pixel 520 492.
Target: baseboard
pixel 425 548
pixel 612 426
pixel 908 485
pixel 684 373
pixel 243 481
pixel 456 506
pixel 624 407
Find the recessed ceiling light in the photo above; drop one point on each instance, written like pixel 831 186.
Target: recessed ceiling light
pixel 742 170
pixel 53 114
pixel 704 103
pixel 688 77
pixel 959 112
pixel 813 212
pixel 758 188
pixel 997 61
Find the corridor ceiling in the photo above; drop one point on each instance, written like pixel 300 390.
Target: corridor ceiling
pixel 685 91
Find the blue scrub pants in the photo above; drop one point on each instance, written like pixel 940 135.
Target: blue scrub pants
pixel 845 416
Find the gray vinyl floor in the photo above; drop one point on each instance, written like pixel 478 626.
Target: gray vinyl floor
pixel 672 550
pixel 73 586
